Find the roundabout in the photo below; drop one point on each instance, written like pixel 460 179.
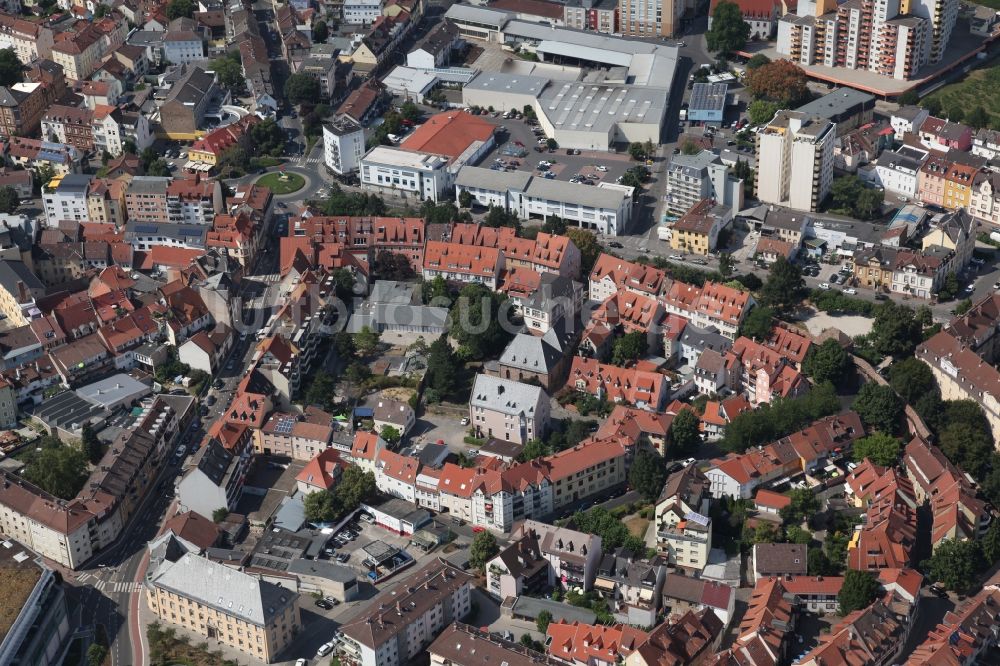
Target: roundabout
pixel 281 183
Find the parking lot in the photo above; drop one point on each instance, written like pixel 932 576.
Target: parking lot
pixel 563 166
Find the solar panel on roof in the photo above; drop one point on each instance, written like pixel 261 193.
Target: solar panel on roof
pixel 696 518
pixel 146 228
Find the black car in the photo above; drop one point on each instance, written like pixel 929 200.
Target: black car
pixel 616 245
pixel 343 558
pixel 324 604
pixel 218 384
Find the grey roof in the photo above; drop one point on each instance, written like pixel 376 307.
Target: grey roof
pixel 576 193
pixel 322 569
pixel 505 396
pixel 113 389
pixel 214 461
pixel 704 338
pixel 74 182
pixel 530 607
pixel 533 353
pixel 192 235
pixel 694 166
pixel 898 160
pixel 148 185
pixel 227 590
pixel 68 408
pixel 708 97
pixel 481 15
pixel 551 287
pixel 438 39
pixel 392 292
pixel 838 104
pixel 12 272
pixel 342 126
pixel 589 107
pixel 146 38
pixel 193 87
pixel 517 84
pixel 488 179
pixel 908 112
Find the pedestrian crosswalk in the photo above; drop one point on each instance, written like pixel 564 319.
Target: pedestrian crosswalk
pixel 101 585
pixel 310 160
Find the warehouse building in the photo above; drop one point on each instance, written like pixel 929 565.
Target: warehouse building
pixel 708 103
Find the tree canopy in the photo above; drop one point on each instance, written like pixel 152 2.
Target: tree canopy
pixel 895 331
pixel 911 378
pixel 850 194
pixel 9 200
pixel 828 362
pixel 647 474
pixel 729 32
pixel 180 9
pixel 321 32
pixel 320 506
pixel 761 111
pixel 785 286
pixel 879 407
pixel 782 417
pixel 484 548
pixel 586 242
pixel 955 564
pixel 475 322
pixel 629 347
pixel 229 70
pixel 857 592
pixel 613 532
pixel 11 68
pixel 57 469
pixel 302 88
pixel 757 324
pixel 780 81
pixel 880 448
pixel 685 433
pixel 443 368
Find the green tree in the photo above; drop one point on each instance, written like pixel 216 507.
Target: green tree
pixel 96 653
pixel 443 368
pixel 879 407
pixel 911 378
pixel 908 98
pixel 590 249
pixel 390 434
pixel 321 389
pixel 483 549
pixel 321 32
pixel 647 474
pixel 355 486
pixel 636 151
pixel 410 111
pixel 963 306
pixel 320 506
pixel 967 446
pixel 551 143
pixel 956 113
pixel 301 88
pixel 475 322
pixel 685 433
pixel 11 68
pixel 758 60
pixel 932 104
pixel 180 9
pixel 9 201
pixel 955 564
pixel 819 564
pixel 796 534
pixel 990 544
pixel 542 621
pixel 555 225
pixel 978 117
pixel 895 330
pixel 229 70
pixel 465 199
pixel 785 286
pixel 101 11
pixel 90 445
pixel 757 324
pixel 780 418
pixel 726 265
pixel 220 514
pixel 57 469
pixel 158 168
pixel 828 362
pixel 729 32
pixel 857 592
pixel 129 147
pixel 761 111
pixel 803 505
pixel 689 147
pixel 366 341
pixel 780 81
pixel 629 347
pixel 878 447
pixel 868 204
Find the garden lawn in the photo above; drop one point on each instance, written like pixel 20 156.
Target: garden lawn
pixel 979 87
pixel 292 182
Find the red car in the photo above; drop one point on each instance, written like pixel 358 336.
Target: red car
pixel 477 529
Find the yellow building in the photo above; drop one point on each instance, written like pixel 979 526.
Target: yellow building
pixel 697 232
pixel 19 288
pixel 226 605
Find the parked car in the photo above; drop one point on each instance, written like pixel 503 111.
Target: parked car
pixel 824 285
pixel 322 603
pixel 324 649
pixel 616 245
pixel 301 662
pixel 343 558
pixel 464 421
pixel 676 257
pixel 477 529
pixel 852 291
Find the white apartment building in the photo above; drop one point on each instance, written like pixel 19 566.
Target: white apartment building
pixel 907 120
pixel 67 200
pixel 694 178
pixel 407 174
pixel 181 47
pixel 984 202
pixel 401 623
pixel 986 143
pixel 361 11
pixel 343 145
pixel 487 187
pixel 798 152
pixel 898 172
pixel 508 410
pixel 606 208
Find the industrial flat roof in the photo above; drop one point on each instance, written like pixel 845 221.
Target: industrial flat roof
pixel 708 97
pixel 576 193
pixel 584 107
pixel 837 103
pixel 517 84
pixel 488 179
pixel 403 158
pixel 481 15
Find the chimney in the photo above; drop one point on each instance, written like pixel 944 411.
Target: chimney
pixel 22 292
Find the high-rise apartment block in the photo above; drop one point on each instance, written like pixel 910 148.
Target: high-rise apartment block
pixel 893 38
pixel 798 150
pixel 650 18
